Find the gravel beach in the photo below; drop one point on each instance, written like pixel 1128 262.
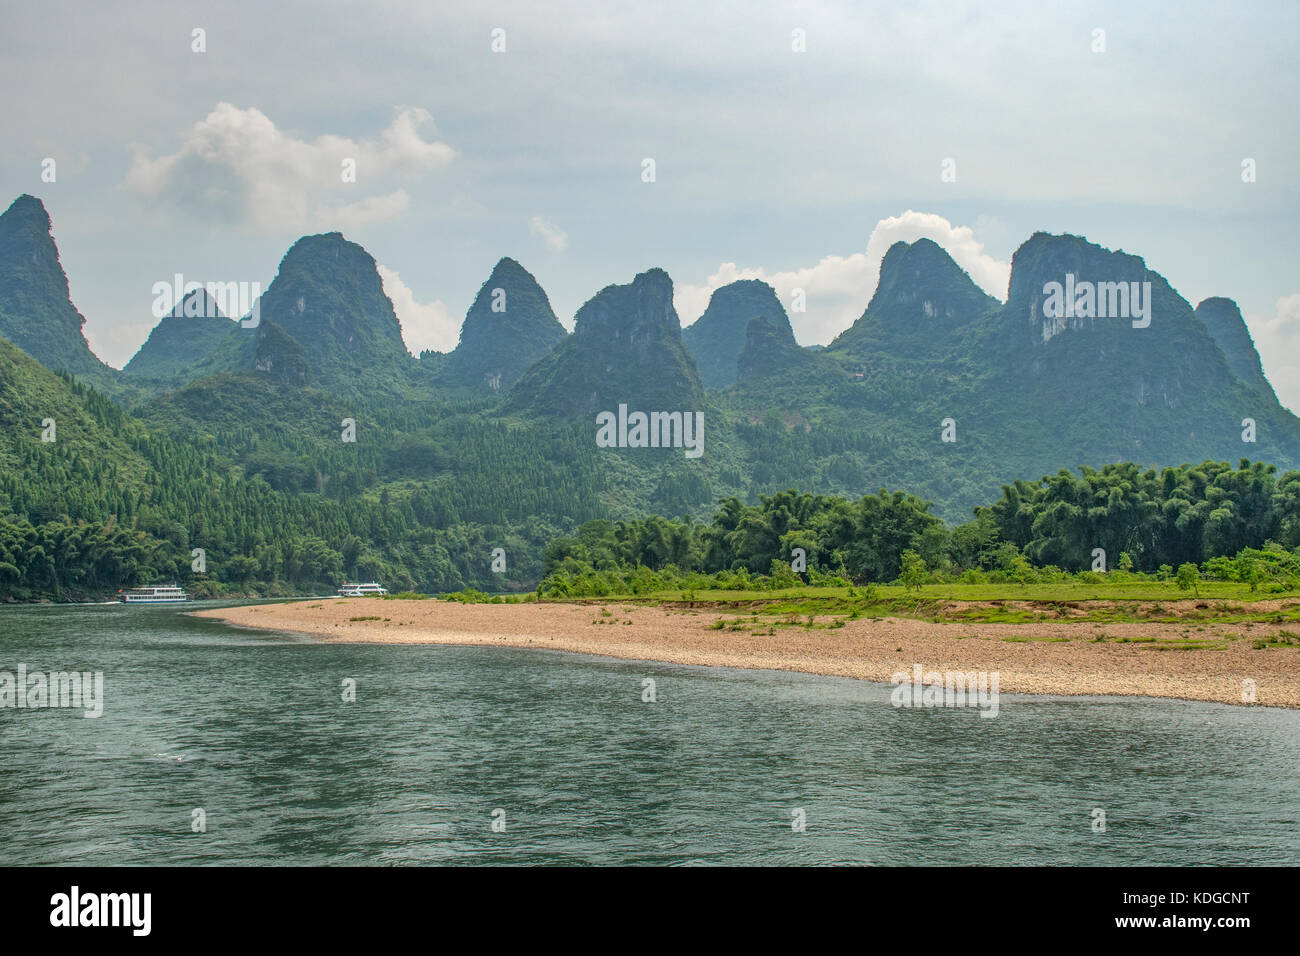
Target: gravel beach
pixel 1045 658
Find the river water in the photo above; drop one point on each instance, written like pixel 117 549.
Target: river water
pixel 562 753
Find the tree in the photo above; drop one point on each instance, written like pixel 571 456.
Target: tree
pixel 1022 572
pixel 1248 570
pixel 780 575
pixel 241 568
pixel 1189 578
pixel 913 573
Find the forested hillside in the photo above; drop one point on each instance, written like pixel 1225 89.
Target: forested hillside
pixel 116 501
pixel 310 446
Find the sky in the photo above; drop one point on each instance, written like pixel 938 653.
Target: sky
pixel 792 142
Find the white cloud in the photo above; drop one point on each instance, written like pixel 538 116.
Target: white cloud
pixel 838 288
pixel 235 165
pixel 1277 340
pixel 424 326
pixel 556 238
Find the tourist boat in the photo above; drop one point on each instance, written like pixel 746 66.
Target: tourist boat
pixel 168 594
pixel 361 590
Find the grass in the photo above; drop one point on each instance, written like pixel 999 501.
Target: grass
pixel 810 608
pixel 1052 591
pixel 1283 639
pixel 1120 602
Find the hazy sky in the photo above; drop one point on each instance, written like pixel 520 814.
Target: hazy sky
pixel 797 167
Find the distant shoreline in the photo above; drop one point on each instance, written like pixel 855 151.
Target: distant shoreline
pixel 111 597
pixel 1051 657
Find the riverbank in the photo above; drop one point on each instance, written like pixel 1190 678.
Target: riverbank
pixel 1052 657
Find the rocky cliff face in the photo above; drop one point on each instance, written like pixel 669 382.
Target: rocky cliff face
pixel 508 328
pixel 626 347
pixel 184 337
pixel 718 337
pixel 328 296
pixel 923 299
pixel 770 350
pixel 1222 319
pixel 36 311
pixel 1089 325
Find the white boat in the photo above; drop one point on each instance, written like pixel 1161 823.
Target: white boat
pixel 156 595
pixel 361 590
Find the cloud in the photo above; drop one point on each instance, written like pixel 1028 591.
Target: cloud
pixel 838 288
pixel 117 344
pixel 991 275
pixel 1277 340
pixel 236 166
pixel 424 326
pixel 556 238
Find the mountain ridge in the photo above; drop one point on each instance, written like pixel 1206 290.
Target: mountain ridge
pixel 905 314
pixel 194 329
pixel 36 309
pixel 718 337
pixel 626 348
pixel 509 326
pixel 1028 391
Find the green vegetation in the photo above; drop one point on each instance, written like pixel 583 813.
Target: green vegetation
pixel 1216 523
pixel 497 345
pixel 225 443
pixel 760 611
pixel 35 312
pixel 716 339
pixel 1189 578
pixel 279 507
pixel 285 508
